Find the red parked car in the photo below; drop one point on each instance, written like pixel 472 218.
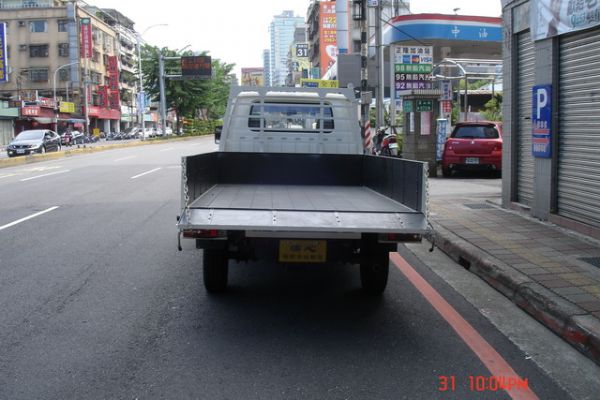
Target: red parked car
pixel 473 146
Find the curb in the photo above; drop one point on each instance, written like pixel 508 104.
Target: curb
pixel 570 322
pixel 69 152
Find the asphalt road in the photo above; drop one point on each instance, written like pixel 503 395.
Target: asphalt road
pixel 97 303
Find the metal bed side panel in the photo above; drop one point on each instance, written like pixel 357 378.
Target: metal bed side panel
pixel 402 180
pixel 399 179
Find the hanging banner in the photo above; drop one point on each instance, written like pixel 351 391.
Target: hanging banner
pixel 442 134
pixel 113 73
pixel 327 35
pixel 114 100
pixel 102 96
pixel 3 57
pixel 555 17
pixel 85 26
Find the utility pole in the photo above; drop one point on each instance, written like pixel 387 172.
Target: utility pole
pixel 379 67
pixel 163 100
pixel 86 87
pixel 364 73
pixel 141 105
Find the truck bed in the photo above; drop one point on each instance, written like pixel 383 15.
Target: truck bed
pixel 303 193
pixel 297 198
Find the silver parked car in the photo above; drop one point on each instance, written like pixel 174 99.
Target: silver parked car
pixel 33 141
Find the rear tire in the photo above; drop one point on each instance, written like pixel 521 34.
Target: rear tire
pixel 215 269
pixel 374 270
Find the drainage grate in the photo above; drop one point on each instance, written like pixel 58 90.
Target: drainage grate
pixel 478 206
pixel 595 261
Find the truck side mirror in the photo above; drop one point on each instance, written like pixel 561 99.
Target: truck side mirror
pixel 218 130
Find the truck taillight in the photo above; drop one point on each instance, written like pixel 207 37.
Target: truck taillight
pixel 203 234
pixel 498 147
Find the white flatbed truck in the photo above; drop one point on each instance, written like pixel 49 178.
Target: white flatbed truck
pixel 290 182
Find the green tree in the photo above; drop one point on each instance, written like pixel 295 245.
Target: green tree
pixel 187 98
pixel 493 108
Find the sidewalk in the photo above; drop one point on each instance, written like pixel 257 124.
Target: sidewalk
pixel 551 273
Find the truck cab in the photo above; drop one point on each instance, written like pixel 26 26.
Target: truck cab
pixel 292 120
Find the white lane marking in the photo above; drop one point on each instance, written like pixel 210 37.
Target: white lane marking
pixel 44 175
pixel 28 218
pixel 41 169
pixel 146 173
pixel 124 158
pixel 169 149
pixel 6 176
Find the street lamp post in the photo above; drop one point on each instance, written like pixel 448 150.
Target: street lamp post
pixel 142 95
pixel 54 91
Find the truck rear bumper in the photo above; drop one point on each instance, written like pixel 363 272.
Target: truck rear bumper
pixel 277 223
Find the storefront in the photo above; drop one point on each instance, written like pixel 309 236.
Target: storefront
pixel 34 117
pixel 7 121
pixel 104 119
pixel 41 114
pixel 551 135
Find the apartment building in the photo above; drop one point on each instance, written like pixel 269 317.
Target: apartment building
pixel 127 52
pixel 45 57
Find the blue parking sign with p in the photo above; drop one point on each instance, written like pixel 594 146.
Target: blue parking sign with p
pixel 541 121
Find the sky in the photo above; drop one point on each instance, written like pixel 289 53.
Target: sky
pixel 236 31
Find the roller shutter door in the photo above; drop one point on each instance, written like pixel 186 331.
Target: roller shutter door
pixel 524 85
pixel 579 128
pixel 6 131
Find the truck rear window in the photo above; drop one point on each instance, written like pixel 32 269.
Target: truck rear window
pixel 274 117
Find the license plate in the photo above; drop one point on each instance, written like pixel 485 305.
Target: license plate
pixel 471 160
pixel 20 151
pixel 303 251
pixel 393 145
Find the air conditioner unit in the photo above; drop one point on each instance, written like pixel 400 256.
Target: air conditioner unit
pixel 22 23
pixel 23 47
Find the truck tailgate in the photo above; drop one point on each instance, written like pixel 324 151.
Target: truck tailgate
pixel 304 193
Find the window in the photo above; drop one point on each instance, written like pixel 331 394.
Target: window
pixel 96 78
pixel 95 56
pixel 38 50
pixel 475 132
pixel 38 26
pixel 64 74
pixel 291 117
pixel 38 74
pixel 63 25
pixel 63 49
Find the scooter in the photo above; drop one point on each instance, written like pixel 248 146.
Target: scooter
pixel 385 143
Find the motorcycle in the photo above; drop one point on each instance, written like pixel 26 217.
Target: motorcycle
pixel 385 143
